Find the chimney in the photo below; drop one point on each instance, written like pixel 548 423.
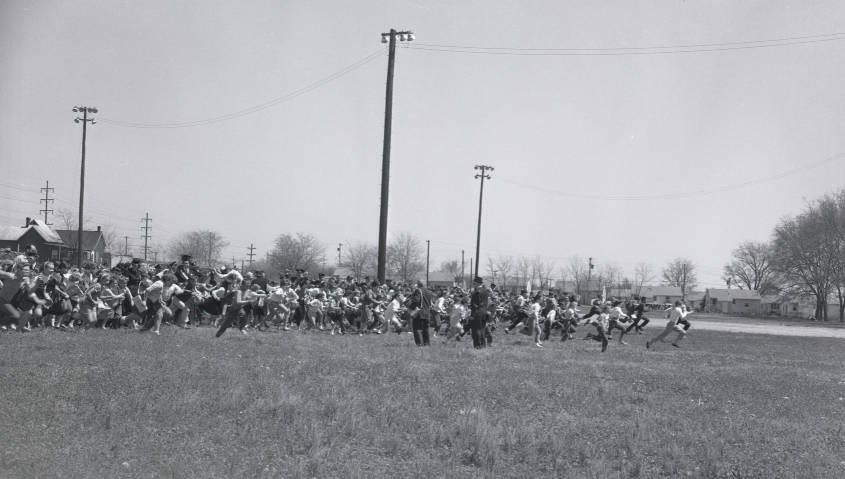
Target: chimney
pixel 28 220
pixel 98 228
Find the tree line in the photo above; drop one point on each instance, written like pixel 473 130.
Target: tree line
pixel 805 257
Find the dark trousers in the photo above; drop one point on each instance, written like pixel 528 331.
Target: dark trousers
pixel 600 336
pixel 435 321
pixel 520 316
pixel 639 324
pixel 420 326
pixel 230 319
pixel 478 326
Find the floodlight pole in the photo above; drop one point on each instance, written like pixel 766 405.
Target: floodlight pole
pixel 390 38
pixel 84 120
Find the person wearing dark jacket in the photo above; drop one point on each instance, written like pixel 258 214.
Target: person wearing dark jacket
pixel 422 300
pixel 478 304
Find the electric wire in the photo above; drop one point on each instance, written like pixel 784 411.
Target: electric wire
pixel 830 36
pixel 253 109
pixel 681 194
pixel 628 51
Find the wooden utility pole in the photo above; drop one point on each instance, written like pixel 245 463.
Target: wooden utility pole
pixel 47 200
pixel 427 256
pixel 389 38
pixel 85 120
pixel 463 281
pixel 251 254
pixel 146 219
pixel 483 175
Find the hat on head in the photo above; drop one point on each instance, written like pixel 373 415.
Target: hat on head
pixel 186 258
pixel 478 279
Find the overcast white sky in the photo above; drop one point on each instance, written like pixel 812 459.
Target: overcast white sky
pixel 565 132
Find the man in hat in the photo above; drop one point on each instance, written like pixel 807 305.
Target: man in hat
pixel 183 271
pixel 478 304
pixel 420 321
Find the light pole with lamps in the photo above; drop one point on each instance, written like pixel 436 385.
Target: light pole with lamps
pixel 483 175
pixel 390 38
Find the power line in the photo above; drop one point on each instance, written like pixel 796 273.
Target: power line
pixel 253 109
pixel 628 51
pixel 682 194
pixel 838 36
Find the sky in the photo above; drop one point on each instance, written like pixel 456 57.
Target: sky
pixel 260 118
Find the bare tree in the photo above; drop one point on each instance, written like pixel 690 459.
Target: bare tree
pixel 67 220
pixel 541 270
pixel 609 276
pixel 523 270
pixel 205 246
pixel 505 265
pixel 751 268
pixel 578 272
pixel 302 251
pixel 453 267
pixel 642 275
pixel 361 259
pixel 492 270
pixel 405 256
pixel 681 273
pixel 808 253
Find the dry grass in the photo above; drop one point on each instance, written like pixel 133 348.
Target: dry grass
pixel 126 404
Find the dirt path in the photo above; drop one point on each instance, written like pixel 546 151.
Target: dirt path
pixel 775 328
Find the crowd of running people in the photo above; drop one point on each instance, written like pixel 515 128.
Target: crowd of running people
pixel 135 295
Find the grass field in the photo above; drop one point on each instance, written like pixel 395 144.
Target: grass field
pixel 128 404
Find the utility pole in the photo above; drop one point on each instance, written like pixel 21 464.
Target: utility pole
pixel 590 273
pixel 85 120
pixel 125 246
pixel 242 265
pixel 234 265
pixel 339 246
pixel 155 257
pixel 427 256
pixel 146 219
pixel 47 200
pixel 483 175
pixel 251 254
pixel 385 158
pixel 470 268
pixel 463 282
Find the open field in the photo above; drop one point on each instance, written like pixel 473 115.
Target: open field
pixel 129 404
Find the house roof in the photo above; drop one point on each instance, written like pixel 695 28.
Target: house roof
pixel 436 277
pixel 14 233
pixel 44 231
pixel 11 233
pixel 731 294
pixel 695 296
pixel 661 291
pixel 89 238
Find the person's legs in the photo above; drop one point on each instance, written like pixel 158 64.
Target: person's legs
pixel 425 332
pixel 670 326
pixel 682 332
pixel 224 325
